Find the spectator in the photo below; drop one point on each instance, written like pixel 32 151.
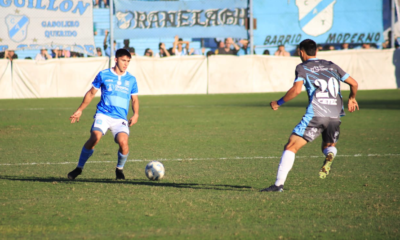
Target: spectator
pixel 148 52
pixel 345 46
pixel 220 44
pixel 244 49
pixel 171 51
pixel 98 52
pixel 227 50
pixel 178 49
pixel 96 4
pixel 132 51
pixel 28 58
pixel 329 48
pixel 10 54
pixel 43 55
pixel 388 41
pixel 366 46
pixel 162 51
pixel 126 44
pixel 282 51
pixel 107 49
pixel 58 53
pixel 76 54
pixel 266 52
pixel 320 47
pixel 210 53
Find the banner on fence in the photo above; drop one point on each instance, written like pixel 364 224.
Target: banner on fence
pixel 206 18
pixel 36 24
pixel 325 21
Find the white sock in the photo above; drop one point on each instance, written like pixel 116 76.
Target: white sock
pixel 285 165
pixel 330 150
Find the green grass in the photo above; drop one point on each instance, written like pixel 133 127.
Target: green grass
pixel 235 142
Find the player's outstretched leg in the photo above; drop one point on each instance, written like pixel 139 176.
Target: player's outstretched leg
pixel 330 153
pixel 85 155
pixel 286 164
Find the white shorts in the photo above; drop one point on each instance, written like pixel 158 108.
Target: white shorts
pixel 102 123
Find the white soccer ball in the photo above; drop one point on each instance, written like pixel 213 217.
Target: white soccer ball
pixel 154 170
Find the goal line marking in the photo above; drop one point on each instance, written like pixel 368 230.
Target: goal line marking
pixel 197 159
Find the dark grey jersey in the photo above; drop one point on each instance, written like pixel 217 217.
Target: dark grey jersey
pixel 321 80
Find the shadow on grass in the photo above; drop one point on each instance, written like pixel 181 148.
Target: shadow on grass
pixel 140 182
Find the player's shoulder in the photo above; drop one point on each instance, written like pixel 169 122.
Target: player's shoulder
pixel 105 72
pixel 130 76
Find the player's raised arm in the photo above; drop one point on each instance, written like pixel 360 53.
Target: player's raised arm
pixel 86 100
pixel 292 93
pixel 135 107
pixel 352 104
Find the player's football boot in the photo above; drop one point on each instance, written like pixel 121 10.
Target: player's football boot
pixel 327 166
pixel 72 175
pixel 273 188
pixel 119 174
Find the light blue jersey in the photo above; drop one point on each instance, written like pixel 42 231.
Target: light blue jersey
pixel 116 93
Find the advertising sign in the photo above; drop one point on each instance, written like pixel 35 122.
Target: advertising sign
pixel 36 24
pixel 206 18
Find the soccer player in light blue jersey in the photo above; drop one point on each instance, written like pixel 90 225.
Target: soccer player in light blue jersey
pixel 118 88
pixel 321 80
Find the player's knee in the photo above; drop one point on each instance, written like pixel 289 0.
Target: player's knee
pixel 122 140
pixel 291 147
pixel 94 139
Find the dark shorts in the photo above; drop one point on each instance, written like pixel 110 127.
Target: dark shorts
pixel 310 129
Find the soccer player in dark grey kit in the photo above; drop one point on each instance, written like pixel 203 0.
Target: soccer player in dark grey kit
pixel 321 80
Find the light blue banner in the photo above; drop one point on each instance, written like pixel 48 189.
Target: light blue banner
pixel 287 22
pixel 205 18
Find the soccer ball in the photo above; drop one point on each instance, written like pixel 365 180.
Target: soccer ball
pixel 154 170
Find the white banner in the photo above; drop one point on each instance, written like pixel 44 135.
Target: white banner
pixel 72 77
pixel 171 75
pixel 5 79
pixel 51 24
pixel 250 74
pixel 68 77
pixel 372 69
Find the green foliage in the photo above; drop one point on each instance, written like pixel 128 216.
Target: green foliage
pixel 219 151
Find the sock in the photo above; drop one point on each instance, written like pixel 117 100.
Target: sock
pixel 330 150
pixel 121 160
pixel 285 165
pixel 85 155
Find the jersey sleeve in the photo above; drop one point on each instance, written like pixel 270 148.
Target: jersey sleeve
pixel 134 90
pixel 342 74
pixel 97 81
pixel 300 74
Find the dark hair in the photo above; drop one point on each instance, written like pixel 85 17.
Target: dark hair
pixel 122 52
pixel 148 50
pixel 132 50
pixel 97 49
pixel 309 46
pixel 209 53
pixel 159 45
pixel 266 52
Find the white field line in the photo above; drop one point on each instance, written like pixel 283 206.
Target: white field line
pixel 197 159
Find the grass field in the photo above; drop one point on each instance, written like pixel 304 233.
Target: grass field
pixel 219 151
